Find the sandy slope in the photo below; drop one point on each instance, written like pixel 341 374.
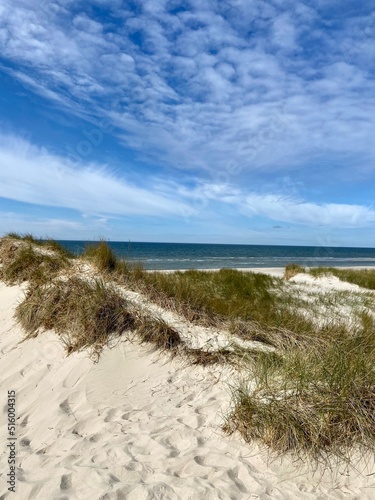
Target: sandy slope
pixel 135 426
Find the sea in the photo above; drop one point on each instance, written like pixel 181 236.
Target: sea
pixel 173 256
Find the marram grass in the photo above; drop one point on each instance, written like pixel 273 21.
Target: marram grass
pixel 312 394
pixel 25 263
pixel 314 402
pixel 364 278
pixel 84 313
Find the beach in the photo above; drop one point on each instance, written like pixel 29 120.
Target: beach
pixel 137 426
pixel 136 423
pixel 187 250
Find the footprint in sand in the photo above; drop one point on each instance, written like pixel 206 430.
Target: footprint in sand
pixel 7 349
pixel 185 401
pixel 113 415
pixel 65 407
pixel 66 482
pixel 25 442
pixel 233 476
pixel 25 421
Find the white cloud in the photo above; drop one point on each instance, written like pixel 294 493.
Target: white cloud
pixel 291 210
pixel 277 207
pixel 34 175
pixel 203 77
pixel 47 226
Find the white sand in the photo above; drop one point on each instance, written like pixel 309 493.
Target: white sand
pixel 136 427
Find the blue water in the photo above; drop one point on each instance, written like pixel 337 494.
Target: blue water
pixel 206 256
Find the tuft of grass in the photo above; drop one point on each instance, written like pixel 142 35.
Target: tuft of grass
pixel 208 297
pixel 47 243
pixel 292 270
pixel 56 247
pixel 105 259
pixel 252 306
pixel 23 263
pixel 157 332
pixel 287 329
pixel 85 313
pixel 223 356
pixel 13 236
pixel 364 278
pixel 314 402
pixel 102 256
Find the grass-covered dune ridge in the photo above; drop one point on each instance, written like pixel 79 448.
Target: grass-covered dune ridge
pixel 303 354
pixel 364 278
pixel 316 402
pixel 23 260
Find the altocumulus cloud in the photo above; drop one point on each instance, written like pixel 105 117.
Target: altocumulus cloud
pixel 193 84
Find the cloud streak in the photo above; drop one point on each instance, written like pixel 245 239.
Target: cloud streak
pixel 290 210
pixel 33 175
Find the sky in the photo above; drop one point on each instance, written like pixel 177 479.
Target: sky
pixel 215 121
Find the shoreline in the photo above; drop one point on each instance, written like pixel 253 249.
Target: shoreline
pixel 272 271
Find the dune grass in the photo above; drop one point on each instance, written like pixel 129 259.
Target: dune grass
pixel 205 295
pixel 364 278
pixel 84 313
pixel 104 259
pixel 201 296
pixel 157 332
pixel 24 263
pixel 252 306
pixel 312 395
pixel 101 255
pixel 223 356
pixel 47 243
pixel 292 270
pixel 316 402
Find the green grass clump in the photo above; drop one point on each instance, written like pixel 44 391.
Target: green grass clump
pixel 101 255
pixel 293 269
pixel 47 243
pixel 104 258
pixel 317 402
pixel 84 313
pixel 364 278
pixel 204 295
pixel 253 306
pixel 157 332
pixel 223 356
pixel 24 263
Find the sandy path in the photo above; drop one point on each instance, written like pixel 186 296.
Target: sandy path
pixel 134 427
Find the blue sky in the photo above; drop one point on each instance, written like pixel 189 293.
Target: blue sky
pixel 232 121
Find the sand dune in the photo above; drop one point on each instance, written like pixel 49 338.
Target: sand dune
pixel 136 426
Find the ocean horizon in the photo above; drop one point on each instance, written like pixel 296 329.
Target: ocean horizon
pixel 174 256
